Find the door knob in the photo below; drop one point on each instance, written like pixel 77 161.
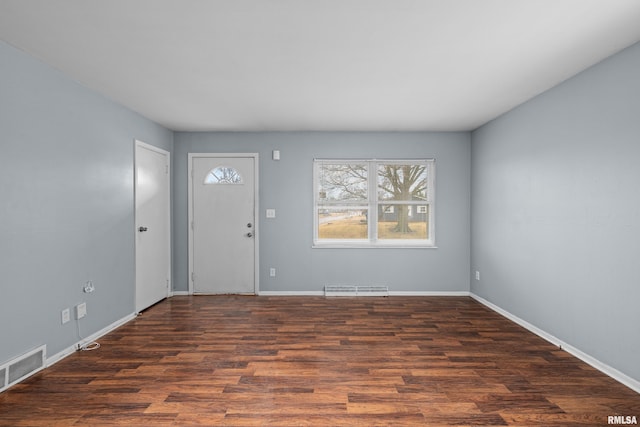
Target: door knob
pixel 141 229
pixel 249 225
pixel 249 234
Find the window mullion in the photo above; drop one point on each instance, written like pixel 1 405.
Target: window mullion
pixel 373 201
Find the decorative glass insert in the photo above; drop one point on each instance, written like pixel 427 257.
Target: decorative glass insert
pixel 223 175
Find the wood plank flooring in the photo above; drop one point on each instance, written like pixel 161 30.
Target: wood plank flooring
pixel 234 360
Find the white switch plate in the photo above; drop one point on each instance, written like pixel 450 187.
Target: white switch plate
pixel 66 315
pixel 276 154
pixel 477 275
pixel 271 213
pixel 81 310
pixel 272 272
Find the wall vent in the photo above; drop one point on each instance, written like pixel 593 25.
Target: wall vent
pixel 355 290
pixel 22 367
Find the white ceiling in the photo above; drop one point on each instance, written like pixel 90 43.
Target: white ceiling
pixel 253 65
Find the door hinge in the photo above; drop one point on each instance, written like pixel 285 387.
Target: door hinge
pixel 166 169
pixel 192 225
pixel 193 276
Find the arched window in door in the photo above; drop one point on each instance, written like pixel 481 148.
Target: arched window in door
pixel 223 175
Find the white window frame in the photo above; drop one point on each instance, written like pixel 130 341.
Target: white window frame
pixel 372 204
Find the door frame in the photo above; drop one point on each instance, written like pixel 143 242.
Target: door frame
pixel 256 207
pixel 167 214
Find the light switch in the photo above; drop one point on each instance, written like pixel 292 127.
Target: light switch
pixel 271 213
pixel 276 154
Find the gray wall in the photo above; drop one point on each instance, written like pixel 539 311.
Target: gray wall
pixel 66 205
pixel 556 211
pixel 286 185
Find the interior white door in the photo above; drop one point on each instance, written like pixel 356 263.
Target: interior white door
pixel 223 225
pixel 153 253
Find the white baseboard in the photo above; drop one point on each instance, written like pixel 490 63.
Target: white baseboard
pixel 602 367
pixel 291 293
pixel 429 293
pixel 391 293
pixel 179 293
pixel 72 349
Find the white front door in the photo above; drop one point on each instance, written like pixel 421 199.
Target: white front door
pixel 223 223
pixel 152 221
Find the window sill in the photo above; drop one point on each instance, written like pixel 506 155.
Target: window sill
pixel 370 246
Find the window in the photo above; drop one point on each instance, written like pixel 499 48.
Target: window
pixel 223 175
pixel 374 203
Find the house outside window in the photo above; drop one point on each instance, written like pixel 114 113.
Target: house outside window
pixel 374 203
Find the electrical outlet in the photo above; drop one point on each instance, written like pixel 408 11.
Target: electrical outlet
pixel 272 272
pixel 81 310
pixel 477 275
pixel 66 315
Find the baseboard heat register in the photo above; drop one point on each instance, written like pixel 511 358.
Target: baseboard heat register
pixel 22 367
pixel 356 290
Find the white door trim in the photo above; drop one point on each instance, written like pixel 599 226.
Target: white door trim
pixel 256 267
pixel 138 143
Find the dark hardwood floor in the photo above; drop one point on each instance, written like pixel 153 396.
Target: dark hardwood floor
pixel 233 360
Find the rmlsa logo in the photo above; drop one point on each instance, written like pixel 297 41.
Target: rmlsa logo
pixel 622 419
